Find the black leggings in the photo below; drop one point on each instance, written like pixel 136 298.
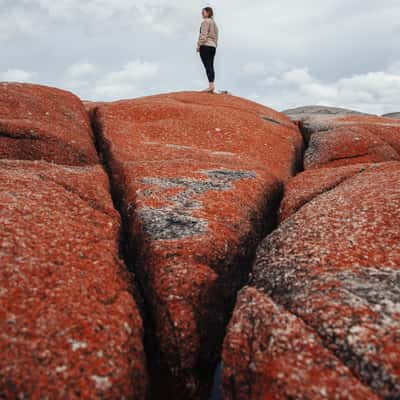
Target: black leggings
pixel 207 54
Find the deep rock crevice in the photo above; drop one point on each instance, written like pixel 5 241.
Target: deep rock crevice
pixel 236 264
pixel 374 375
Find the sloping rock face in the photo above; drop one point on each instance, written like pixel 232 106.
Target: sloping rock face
pixel 199 180
pixel 69 325
pixel 42 123
pixel 334 264
pixel 341 137
pixel 306 186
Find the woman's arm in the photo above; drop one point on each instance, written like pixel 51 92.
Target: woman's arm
pixel 204 30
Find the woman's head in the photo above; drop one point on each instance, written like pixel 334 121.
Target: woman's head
pixel 207 12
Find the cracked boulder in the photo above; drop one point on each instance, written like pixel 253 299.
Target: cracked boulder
pixel 334 263
pixel 70 328
pixel 341 137
pixel 199 179
pixel 306 186
pixel 43 123
pixel 270 353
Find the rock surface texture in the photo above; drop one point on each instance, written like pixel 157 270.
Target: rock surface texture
pixel 70 328
pixel 129 231
pixel 38 122
pixel 199 179
pixel 330 271
pixel 341 137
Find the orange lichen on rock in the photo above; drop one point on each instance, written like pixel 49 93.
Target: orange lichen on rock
pixel 335 264
pixel 340 137
pixel 359 143
pixel 70 327
pixel 306 186
pixel 199 179
pixel 269 353
pixel 43 123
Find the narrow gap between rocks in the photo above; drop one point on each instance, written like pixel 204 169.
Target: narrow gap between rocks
pixel 129 258
pixel 272 214
pixel 158 375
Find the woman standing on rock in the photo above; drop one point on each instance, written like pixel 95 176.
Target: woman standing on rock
pixel 207 45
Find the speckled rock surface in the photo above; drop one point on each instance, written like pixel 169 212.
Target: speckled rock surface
pixel 362 142
pixel 307 185
pixel 200 179
pixel 335 264
pixel 43 123
pixel 69 326
pixel 269 353
pixel 340 137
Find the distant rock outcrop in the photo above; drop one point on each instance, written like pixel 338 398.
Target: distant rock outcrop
pixel 395 115
pixel 339 137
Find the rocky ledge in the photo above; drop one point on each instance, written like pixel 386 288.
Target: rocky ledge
pixel 130 229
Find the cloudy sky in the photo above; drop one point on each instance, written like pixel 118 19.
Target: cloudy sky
pixel 282 53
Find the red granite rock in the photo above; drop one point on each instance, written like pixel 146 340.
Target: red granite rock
pixel 269 353
pixel 335 264
pixel 340 137
pixel 353 144
pixel 199 178
pixel 310 184
pixel 43 123
pixel 70 328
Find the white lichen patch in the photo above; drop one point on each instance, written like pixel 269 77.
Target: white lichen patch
pixel 102 382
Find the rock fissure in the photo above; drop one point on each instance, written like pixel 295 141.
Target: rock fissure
pixel 330 264
pixel 191 230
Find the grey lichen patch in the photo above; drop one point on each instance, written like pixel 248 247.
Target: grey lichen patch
pixel 175 220
pixel 380 288
pixel 354 312
pixel 229 176
pixel 170 224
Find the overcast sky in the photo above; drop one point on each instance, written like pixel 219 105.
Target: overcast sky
pixel 283 53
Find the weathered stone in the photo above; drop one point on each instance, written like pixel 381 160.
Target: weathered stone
pixel 199 179
pixel 43 123
pixel 318 118
pixel 306 186
pixel 70 328
pixel 335 264
pixel 340 137
pixel 271 354
pixel 353 144
pixel 395 115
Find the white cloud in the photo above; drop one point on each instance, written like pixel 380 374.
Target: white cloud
pixel 129 81
pixel 282 52
pixel 80 70
pixel 254 68
pixel 15 22
pixel 15 75
pixel 133 71
pixel 374 92
pixel 126 82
